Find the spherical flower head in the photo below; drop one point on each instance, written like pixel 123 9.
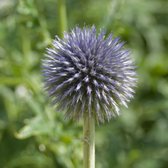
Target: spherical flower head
pixel 86 73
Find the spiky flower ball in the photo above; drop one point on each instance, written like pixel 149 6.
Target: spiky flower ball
pixel 88 74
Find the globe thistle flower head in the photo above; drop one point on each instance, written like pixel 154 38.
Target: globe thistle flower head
pixel 86 73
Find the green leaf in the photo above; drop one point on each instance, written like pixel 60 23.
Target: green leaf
pixel 34 127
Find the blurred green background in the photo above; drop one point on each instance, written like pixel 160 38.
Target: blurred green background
pixel 33 135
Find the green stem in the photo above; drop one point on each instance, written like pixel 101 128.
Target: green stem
pixel 89 142
pixel 62 16
pixel 42 21
pixel 26 45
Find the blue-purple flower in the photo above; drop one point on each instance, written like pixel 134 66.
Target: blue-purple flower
pixel 86 73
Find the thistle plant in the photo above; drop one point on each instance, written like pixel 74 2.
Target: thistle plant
pixel 88 75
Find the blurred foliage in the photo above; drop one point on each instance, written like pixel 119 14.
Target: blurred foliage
pixel 33 135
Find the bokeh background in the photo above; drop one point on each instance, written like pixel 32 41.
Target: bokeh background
pixel 33 135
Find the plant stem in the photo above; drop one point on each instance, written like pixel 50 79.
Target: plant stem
pixel 62 16
pixel 42 21
pixel 89 142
